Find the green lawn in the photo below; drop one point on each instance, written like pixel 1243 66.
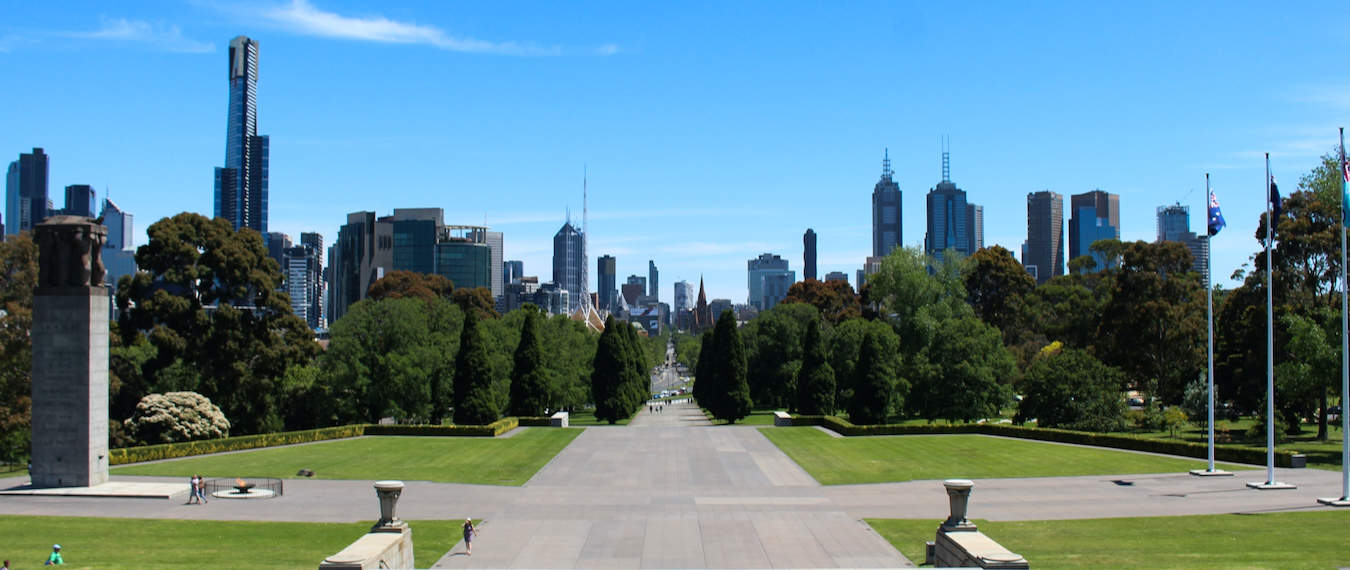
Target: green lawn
pixel 583 418
pixel 1269 540
pixel 1321 454
pixel 880 459
pixel 486 461
pixel 163 543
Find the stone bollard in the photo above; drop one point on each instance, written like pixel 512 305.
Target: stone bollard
pixel 958 495
pixel 388 492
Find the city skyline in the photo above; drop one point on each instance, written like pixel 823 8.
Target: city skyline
pixel 700 154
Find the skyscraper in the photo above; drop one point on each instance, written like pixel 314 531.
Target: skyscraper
pixel 118 256
pixel 948 218
pixel 512 271
pixel 26 192
pixel 684 296
pixel 303 271
pixel 765 277
pixel 605 270
pixel 497 242
pixel 1094 216
pixel 634 290
pixel 79 201
pixel 653 287
pixel 569 259
pixel 355 263
pixel 317 284
pixel 1174 224
pixel 241 185
pixel 809 254
pixel 975 221
pixel 1043 252
pixel 887 213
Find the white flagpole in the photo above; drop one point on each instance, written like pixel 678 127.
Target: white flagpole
pixel 1209 309
pixel 1270 482
pixel 1344 500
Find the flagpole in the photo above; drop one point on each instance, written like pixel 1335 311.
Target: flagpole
pixel 1270 482
pixel 1209 310
pixel 1344 500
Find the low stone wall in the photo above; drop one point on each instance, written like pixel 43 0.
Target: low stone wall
pixel 782 419
pixel 960 545
pixel 558 419
pixel 375 550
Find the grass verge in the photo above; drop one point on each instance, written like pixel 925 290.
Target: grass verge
pixel 1201 541
pixel 882 459
pixel 584 418
pixel 510 461
pixel 163 543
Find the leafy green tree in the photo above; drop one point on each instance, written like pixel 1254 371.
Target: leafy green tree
pixel 529 380
pixel 571 348
pixel 1072 390
pixel 729 399
pixel 873 385
pixel 636 382
pixel 1312 369
pixel 410 284
pixel 206 296
pixel 963 374
pixel 611 364
pixel 835 300
pixel 705 373
pixel 815 384
pixel 174 417
pixel 773 342
pixel 18 277
pixel 996 285
pixel 478 299
pixel 475 404
pixel 687 349
pixel 388 358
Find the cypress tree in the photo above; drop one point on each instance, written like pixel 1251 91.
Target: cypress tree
pixel 731 396
pixel 529 380
pixel 815 382
pixel 704 375
pixel 872 384
pixel 636 379
pixel 473 377
pixel 607 373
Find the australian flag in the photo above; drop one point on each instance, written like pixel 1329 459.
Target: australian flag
pixel 1345 189
pixel 1275 202
pixel 1216 222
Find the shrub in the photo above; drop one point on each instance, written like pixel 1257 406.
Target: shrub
pixel 176 416
pixel 203 447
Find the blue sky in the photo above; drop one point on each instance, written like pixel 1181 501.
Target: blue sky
pixel 712 132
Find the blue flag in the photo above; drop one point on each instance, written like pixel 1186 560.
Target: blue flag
pixel 1216 222
pixel 1275 203
pixel 1345 188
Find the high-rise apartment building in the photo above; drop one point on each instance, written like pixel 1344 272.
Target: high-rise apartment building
pixel 241 185
pixel 809 254
pixel 569 260
pixel 765 276
pixel 26 199
pixel 1043 252
pixel 653 282
pixel 317 282
pixel 684 297
pixel 887 213
pixel 1174 224
pixel 1094 216
pixel 605 270
pixel 304 276
pixel 948 218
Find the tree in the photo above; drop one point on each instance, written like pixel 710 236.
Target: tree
pixel 995 286
pixel 608 373
pixel 18 277
pixel 529 380
pixel 636 382
pixel 815 383
pixel 873 384
pixel 705 374
pixel 475 403
pixel 835 300
pixel 963 374
pixel 1072 390
pixel 206 296
pixel 477 298
pixel 174 417
pixel 773 343
pixel 570 347
pixel 729 399
pixel 410 284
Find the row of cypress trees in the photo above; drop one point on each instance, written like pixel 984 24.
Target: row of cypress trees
pixel 721 386
pixel 619 382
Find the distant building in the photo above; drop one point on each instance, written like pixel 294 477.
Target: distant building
pixel 1043 252
pixel 758 271
pixel 703 316
pixel 635 288
pixel 1094 216
pixel 356 261
pixel 277 243
pixel 569 263
pixel 836 276
pixel 887 213
pixel 716 306
pixel 684 297
pixel 519 291
pixel 241 185
pixel 304 271
pixel 651 319
pixel 775 289
pixel 653 283
pixel 512 271
pixel 464 256
pixel 553 299
pixel 319 284
pixel 1174 224
pixel 948 218
pixel 26 199
pixel 79 201
pixel 809 254
pixel 496 242
pixel 605 268
pixel 975 221
pixel 119 257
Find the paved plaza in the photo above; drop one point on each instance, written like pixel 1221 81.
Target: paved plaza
pixel 672 491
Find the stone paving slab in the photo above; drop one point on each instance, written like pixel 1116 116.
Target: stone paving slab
pixel 112 489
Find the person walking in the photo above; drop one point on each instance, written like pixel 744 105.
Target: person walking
pixel 55 557
pixel 469 533
pixel 193 484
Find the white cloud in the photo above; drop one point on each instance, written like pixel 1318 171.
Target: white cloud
pixel 302 17
pixel 166 37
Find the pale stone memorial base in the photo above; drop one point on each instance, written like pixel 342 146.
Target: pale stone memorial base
pixel 388 544
pixel 1270 486
pixel 960 545
pixel 1208 473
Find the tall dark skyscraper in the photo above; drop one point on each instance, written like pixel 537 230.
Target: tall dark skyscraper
pixel 1043 252
pixel 26 192
pixel 809 254
pixel 948 217
pixel 887 213
pixel 79 201
pixel 1094 216
pixel 652 285
pixel 1174 224
pixel 607 289
pixel 569 260
pixel 241 185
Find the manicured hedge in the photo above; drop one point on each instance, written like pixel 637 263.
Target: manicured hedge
pixel 535 421
pixel 188 448
pixel 1229 453
pixel 491 430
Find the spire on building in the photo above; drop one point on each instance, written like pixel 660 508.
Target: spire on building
pixel 886 172
pixel 946 160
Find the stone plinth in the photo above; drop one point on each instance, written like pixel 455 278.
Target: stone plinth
pixel 388 493
pixel 558 419
pixel 973 549
pixel 375 550
pixel 70 355
pixel 782 419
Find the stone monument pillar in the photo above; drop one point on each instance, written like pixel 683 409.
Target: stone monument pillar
pixel 70 355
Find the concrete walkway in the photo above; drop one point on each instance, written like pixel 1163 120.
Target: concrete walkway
pixel 669 490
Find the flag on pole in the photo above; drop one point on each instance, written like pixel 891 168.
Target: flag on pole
pixel 1216 222
pixel 1345 188
pixel 1275 203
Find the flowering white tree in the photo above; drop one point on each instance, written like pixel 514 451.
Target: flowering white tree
pixel 176 416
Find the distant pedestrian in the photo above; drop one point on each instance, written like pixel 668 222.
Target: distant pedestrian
pixel 469 533
pixel 55 558
pixel 193 483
